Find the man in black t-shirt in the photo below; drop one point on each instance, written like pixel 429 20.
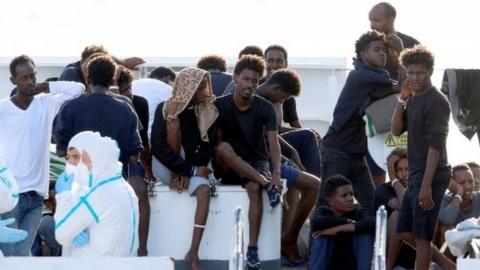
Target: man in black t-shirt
pixel 241 155
pixel 424 112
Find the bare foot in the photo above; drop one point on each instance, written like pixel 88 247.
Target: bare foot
pixel 290 250
pixel 142 252
pixel 193 260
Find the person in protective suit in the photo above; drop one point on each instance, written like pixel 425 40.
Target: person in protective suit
pixel 8 200
pixel 97 210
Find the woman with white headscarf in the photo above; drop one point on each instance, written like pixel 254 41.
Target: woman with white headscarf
pixel 97 210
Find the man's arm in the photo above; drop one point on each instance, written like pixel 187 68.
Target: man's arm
pixel 166 142
pixel 449 210
pixel 62 91
pixel 274 148
pixel 398 125
pixel 289 150
pixel 70 219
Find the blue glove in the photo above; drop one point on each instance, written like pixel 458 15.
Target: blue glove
pixel 64 182
pixel 81 239
pixel 9 235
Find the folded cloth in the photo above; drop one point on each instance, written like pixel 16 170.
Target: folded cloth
pixel 457 239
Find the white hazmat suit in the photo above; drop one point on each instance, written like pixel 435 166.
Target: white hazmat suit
pixel 100 202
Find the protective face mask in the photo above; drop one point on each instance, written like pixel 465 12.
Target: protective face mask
pixel 82 177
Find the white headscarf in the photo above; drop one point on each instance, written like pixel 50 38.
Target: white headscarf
pixel 103 152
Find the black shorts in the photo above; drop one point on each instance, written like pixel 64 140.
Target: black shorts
pixel 232 178
pixel 412 218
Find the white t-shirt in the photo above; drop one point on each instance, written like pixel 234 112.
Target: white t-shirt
pixel 155 92
pixel 25 136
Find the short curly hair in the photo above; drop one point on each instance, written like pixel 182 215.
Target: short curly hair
pixel 91 49
pixel 125 76
pixel 288 79
pixel 418 54
pixel 212 61
pixel 101 70
pixel 252 62
pixel 278 48
pixel 251 49
pixel 364 41
pixel 333 182
pixel 19 60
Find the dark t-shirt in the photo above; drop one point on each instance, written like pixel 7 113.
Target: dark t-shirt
pixel 347 131
pixel 427 119
pixel 408 42
pixel 103 113
pixel 245 130
pixel 197 152
pixel 73 73
pixel 220 80
pixel 383 194
pixel 140 104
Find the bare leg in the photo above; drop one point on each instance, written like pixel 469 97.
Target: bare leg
pixel 140 188
pixel 308 185
pixel 430 252
pixel 201 213
pixel 292 198
pixel 255 211
pixel 393 241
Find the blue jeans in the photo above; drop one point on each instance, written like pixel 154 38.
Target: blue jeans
pixel 305 142
pixel 321 251
pixel 46 235
pixel 354 167
pixel 27 216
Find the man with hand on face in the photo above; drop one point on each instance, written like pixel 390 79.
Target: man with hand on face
pixel 424 112
pixel 27 119
pixel 182 140
pixel 461 203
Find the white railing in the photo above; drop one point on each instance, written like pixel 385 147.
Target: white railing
pixel 380 239
pixel 237 260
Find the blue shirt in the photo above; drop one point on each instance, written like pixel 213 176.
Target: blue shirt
pixel 102 113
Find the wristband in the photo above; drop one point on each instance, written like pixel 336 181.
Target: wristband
pixel 402 101
pixel 393 182
pixel 458 197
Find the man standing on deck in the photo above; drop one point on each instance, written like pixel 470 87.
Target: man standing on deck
pixel 27 119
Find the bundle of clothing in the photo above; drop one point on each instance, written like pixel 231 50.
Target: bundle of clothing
pixel 462 86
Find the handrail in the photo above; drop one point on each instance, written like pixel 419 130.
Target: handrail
pixel 237 260
pixel 380 239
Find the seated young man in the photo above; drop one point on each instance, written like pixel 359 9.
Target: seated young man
pixel 390 195
pixel 241 156
pixel 343 233
pixel 461 203
pixel 181 140
pixel 300 145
